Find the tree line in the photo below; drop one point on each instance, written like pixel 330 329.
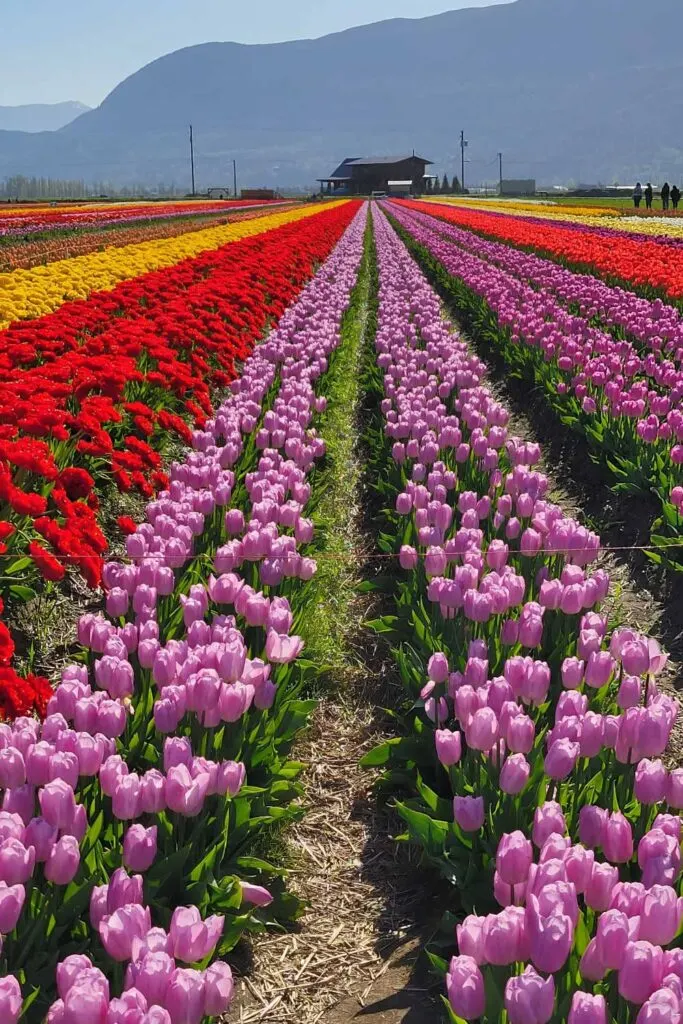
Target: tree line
pixel 443 187
pixel 19 187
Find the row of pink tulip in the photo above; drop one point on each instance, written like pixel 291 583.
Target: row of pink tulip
pixel 540 721
pixel 208 665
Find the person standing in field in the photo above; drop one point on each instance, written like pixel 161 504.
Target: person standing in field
pixel 648 196
pixel 666 192
pixel 675 196
pixel 637 195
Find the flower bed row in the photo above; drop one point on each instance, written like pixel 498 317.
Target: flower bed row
pixel 36 292
pixel 26 221
pixel 111 382
pixel 663 225
pixel 626 404
pixel 64 245
pixel 649 263
pixel 164 751
pixel 532 756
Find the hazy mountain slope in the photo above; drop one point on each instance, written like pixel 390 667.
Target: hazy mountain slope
pixel 565 88
pixel 40 117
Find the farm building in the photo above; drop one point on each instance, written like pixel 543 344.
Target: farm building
pixel 518 187
pixel 363 175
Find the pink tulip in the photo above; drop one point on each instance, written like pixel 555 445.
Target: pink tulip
pixel 628 897
pixel 193 939
pixel 469 812
pixel 505 937
pixel 520 734
pixel 599 890
pixel 151 975
pixel 120 929
pixel 617 839
pixel 11 905
pixel 218 989
pixel 140 847
pixel 551 937
pixel 87 1000
pixel 561 759
pixel 255 894
pixel 281 649
pixel 591 967
pixel 592 823
pixel 587 1009
pixel 641 972
pixel 660 915
pixel 529 999
pixel 185 997
pixel 448 747
pixel 650 784
pixel 126 797
pixel 437 668
pixel 572 673
pixel 16 862
pixel 578 863
pixel 514 858
pixel 10 1000
pixel 613 935
pixel 64 861
pixel 186 795
pixel 482 731
pixel 663 1007
pixel 471 935
pixel 57 804
pixel 465 987
pixel 514 774
pixel 548 819
pixel 629 695
pixel 674 789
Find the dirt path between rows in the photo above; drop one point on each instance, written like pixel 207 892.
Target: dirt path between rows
pixel 355 955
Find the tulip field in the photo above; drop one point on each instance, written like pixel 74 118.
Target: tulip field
pixel 190 369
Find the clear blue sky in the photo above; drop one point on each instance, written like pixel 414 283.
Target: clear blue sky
pixel 80 49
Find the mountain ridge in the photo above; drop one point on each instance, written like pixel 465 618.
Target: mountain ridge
pixel 567 89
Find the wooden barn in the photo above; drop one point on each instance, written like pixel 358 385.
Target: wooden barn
pixel 363 175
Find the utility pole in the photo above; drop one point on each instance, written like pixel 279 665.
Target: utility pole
pixel 234 176
pixel 500 166
pixel 463 144
pixel 192 159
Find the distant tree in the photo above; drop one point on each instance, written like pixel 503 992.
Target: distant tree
pixel 445 187
pixel 456 187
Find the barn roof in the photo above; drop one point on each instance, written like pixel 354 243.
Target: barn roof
pixel 371 160
pixel 342 172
